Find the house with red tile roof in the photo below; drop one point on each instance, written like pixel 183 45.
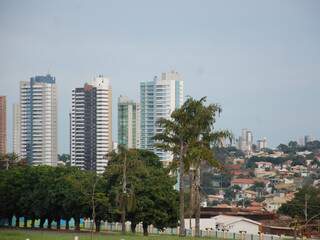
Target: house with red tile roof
pixel 244 183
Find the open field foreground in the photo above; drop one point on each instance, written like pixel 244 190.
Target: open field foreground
pixel 10 234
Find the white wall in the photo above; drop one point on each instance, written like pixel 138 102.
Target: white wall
pixel 209 223
pixel 250 228
pixel 204 223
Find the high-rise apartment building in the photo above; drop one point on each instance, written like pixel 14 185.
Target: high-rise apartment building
pixel 38 109
pixel 261 144
pixel 91 125
pixel 159 98
pixel 3 125
pixel 16 129
pixel 246 141
pixel 128 123
pixel 307 139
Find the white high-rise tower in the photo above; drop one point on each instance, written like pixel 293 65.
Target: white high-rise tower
pixel 159 98
pixel 38 103
pixel 246 141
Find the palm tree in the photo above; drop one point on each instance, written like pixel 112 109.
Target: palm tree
pixel 175 138
pixel 200 148
pixel 188 135
pixel 200 152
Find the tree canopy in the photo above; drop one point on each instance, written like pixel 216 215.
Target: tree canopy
pixel 54 193
pixel 296 207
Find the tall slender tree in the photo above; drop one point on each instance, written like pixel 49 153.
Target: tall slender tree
pixel 175 138
pixel 200 152
pixel 117 172
pixel 189 135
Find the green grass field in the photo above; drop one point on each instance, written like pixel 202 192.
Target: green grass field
pixel 8 234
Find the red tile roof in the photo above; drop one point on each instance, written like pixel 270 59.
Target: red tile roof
pixel 242 181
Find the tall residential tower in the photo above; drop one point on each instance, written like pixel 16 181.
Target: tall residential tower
pixel 16 129
pixel 246 141
pixel 3 125
pixel 38 109
pixel 128 123
pixel 91 125
pixel 159 98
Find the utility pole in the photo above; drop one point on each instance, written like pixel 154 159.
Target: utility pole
pixel 306 207
pixel 94 205
pixel 124 192
pixel 197 201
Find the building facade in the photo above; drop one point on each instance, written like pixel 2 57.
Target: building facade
pixel 128 123
pixel 3 125
pixel 307 139
pixel 38 116
pixel 16 129
pixel 261 144
pixel 246 141
pixel 159 98
pixel 91 125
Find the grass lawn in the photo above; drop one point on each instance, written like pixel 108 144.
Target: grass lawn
pixel 11 234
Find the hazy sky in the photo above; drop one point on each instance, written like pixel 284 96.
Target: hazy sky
pixel 259 59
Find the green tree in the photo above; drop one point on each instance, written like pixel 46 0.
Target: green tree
pixel 257 186
pixel 149 195
pixel 52 194
pixel 73 203
pixel 95 199
pixel 11 190
pixel 9 160
pixel 64 158
pixel 157 201
pixel 230 192
pixel 189 135
pixel 284 148
pixel 304 205
pixel 200 152
pixel 175 138
pixel 121 180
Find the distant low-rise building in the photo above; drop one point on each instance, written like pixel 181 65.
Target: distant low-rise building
pixel 262 173
pixel 246 194
pixel 238 161
pixel 285 187
pixel 235 224
pixel 243 183
pixel 274 202
pixel 215 198
pixel 301 170
pixel 232 224
pixel 264 165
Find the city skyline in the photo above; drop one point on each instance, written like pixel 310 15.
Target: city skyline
pixel 261 70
